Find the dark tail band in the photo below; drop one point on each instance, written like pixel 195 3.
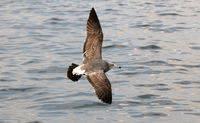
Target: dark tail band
pixel 70 75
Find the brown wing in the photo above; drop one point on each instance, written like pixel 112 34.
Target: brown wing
pixel 101 85
pixel 94 39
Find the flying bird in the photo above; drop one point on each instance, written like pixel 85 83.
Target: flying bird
pixel 93 66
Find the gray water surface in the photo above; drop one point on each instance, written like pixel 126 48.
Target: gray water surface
pixel 157 43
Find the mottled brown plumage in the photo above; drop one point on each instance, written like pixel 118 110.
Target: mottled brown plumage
pixel 93 66
pixel 94 39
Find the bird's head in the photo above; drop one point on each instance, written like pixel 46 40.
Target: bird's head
pixel 111 65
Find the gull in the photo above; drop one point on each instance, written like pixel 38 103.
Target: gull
pixel 93 67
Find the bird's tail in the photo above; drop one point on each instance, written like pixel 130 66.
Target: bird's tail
pixel 72 76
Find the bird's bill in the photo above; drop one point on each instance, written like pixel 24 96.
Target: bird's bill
pixel 115 66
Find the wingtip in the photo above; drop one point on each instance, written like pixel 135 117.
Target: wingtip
pixel 92 11
pixel 105 97
pixel 92 8
pixel 93 24
pixel 107 101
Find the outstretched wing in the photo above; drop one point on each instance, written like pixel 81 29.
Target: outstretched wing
pixel 94 39
pixel 101 85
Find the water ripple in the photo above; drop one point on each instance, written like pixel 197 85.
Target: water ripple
pixel 35 122
pixel 153 63
pixel 52 69
pixel 114 46
pixel 74 105
pixel 169 14
pixel 50 78
pixel 196 114
pixel 146 96
pixel 151 114
pixel 195 48
pixel 150 85
pixel 7 80
pixel 13 90
pixel 187 82
pixel 150 47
